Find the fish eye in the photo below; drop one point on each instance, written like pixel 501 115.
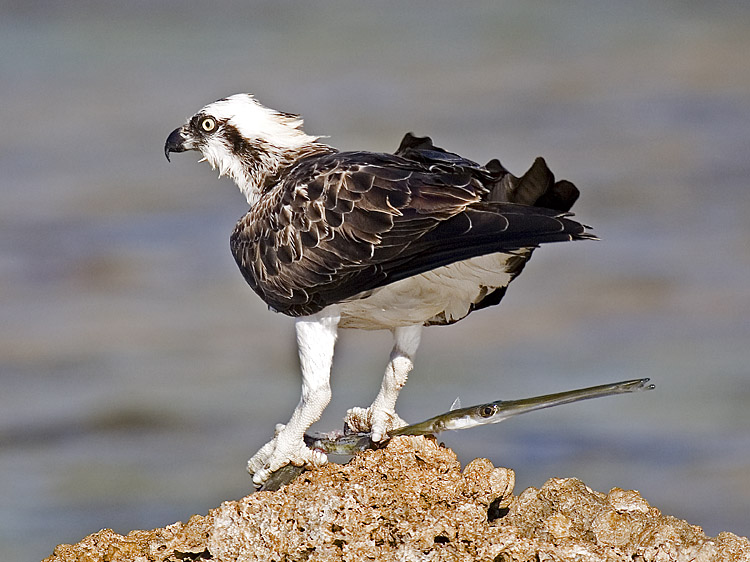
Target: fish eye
pixel 488 411
pixel 208 124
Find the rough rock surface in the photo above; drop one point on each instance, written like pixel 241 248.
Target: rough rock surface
pixel 411 501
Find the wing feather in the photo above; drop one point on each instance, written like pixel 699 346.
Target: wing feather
pixel 345 223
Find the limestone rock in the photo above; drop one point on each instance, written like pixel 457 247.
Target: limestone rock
pixel 411 501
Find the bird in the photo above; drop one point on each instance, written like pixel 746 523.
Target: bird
pixel 367 240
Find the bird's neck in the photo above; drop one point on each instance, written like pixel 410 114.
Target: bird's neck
pixel 263 166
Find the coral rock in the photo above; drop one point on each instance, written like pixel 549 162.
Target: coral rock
pixel 412 501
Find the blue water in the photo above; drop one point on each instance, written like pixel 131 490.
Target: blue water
pixel 138 372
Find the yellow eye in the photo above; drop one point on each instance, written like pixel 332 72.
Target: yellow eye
pixel 208 124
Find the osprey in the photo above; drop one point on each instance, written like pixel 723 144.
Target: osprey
pixel 367 240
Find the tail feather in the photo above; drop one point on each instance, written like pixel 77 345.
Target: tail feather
pixel 537 187
pixel 542 216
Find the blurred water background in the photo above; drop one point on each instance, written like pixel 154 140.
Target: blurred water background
pixel 138 372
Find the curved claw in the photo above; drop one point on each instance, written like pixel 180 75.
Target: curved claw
pixel 283 450
pixel 376 422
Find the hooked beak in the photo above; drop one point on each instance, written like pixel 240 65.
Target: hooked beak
pixel 175 143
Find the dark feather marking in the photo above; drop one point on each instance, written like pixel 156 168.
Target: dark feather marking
pixel 315 188
pixel 309 238
pixel 331 190
pixel 344 205
pixel 379 200
pixel 314 211
pixel 333 218
pixel 371 222
pixel 360 182
pixel 268 257
pixel 389 217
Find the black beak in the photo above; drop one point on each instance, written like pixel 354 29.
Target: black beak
pixel 175 143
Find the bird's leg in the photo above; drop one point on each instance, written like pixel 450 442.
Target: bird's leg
pixel 381 416
pixel 316 337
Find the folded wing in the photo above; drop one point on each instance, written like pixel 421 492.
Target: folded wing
pixel 347 223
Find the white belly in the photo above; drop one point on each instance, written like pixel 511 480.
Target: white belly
pixel 442 295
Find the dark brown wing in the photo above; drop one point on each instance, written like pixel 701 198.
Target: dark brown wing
pixel 537 187
pixel 341 224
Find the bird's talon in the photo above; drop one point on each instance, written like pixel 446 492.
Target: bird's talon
pixel 279 452
pixel 377 422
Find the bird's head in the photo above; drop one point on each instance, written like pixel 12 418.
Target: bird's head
pixel 245 140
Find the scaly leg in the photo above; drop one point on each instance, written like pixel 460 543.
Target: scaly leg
pixel 316 338
pixel 381 416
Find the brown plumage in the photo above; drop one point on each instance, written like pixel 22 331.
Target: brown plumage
pixel 338 225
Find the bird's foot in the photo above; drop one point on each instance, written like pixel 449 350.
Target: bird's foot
pixel 283 449
pixel 376 421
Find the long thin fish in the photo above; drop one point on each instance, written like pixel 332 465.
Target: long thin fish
pixel 338 443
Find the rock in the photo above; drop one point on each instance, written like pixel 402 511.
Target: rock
pixel 411 501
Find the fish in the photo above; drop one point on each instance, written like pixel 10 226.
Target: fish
pixel 349 443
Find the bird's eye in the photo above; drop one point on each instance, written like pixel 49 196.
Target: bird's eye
pixel 488 411
pixel 208 124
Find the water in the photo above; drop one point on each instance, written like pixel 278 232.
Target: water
pixel 138 371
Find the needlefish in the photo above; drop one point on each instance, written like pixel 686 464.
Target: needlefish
pixel 349 443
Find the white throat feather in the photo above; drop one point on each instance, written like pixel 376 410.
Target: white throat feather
pixel 254 144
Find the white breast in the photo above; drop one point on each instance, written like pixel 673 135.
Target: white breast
pixel 443 293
